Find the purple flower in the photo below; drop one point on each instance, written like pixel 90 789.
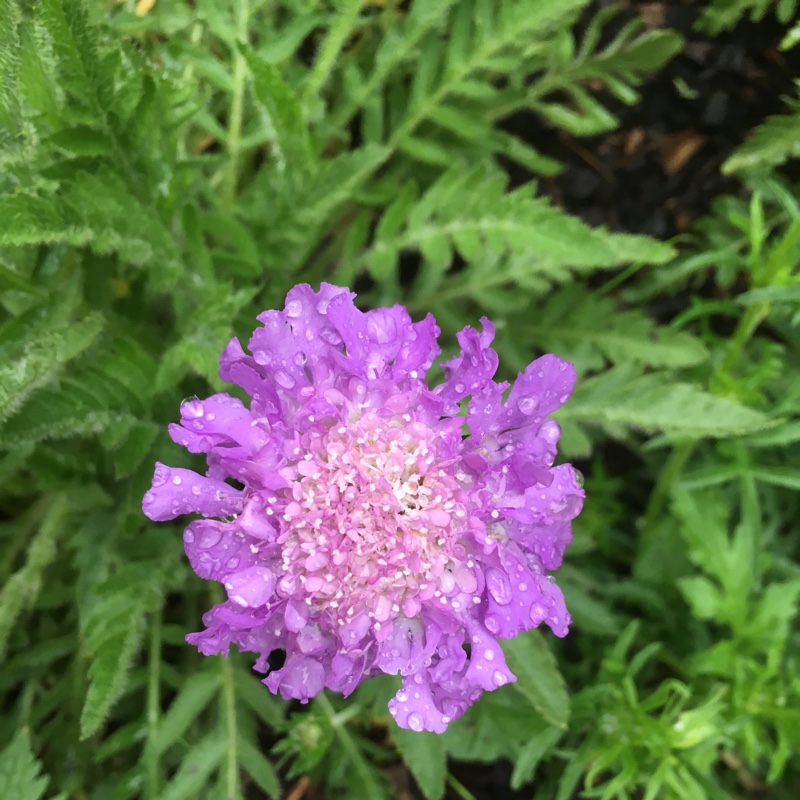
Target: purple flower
pixel 378 529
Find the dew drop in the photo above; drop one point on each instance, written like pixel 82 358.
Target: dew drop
pixel 177 480
pixel 489 655
pixel 499 586
pixel 194 408
pixel 188 537
pixel 233 563
pixel 498 678
pixel 284 379
pixel 293 308
pixel 528 405
pixel 415 722
pixel 209 537
pixel 331 337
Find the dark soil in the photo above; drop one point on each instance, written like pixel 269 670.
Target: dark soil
pixel 659 170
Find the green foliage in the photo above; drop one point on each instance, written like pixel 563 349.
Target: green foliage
pixel 771 144
pixel 724 14
pixel 19 770
pixel 168 173
pixel 425 755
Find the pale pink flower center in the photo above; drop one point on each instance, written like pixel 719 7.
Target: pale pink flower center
pixel 371 523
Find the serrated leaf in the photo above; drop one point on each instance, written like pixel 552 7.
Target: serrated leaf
pixel 112 625
pixel 655 402
pixel 194 696
pixel 21 589
pixel 196 768
pixel 532 753
pixel 10 118
pixel 290 133
pixel 471 210
pixel 425 756
pixel 39 360
pixel 583 327
pixel 770 144
pixel 19 770
pixel 538 678
pixel 259 768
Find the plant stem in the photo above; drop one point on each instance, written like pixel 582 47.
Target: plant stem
pixel 459 788
pixel 229 708
pixel 236 113
pixel 153 704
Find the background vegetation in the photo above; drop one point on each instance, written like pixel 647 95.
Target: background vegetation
pixel 168 170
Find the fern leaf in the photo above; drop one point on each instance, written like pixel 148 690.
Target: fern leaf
pixel 22 588
pixel 771 144
pixel 20 777
pixel 259 768
pixel 655 402
pixel 724 14
pixel 112 624
pixel 39 360
pixel 538 678
pixel 597 330
pixel 10 112
pixel 425 756
pixel 196 769
pixel 194 696
pixel 348 12
pixel 468 212
pixel 67 23
pixel 294 149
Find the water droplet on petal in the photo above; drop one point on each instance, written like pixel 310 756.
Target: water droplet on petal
pixel 209 537
pixel 528 405
pixel 498 678
pixel 415 722
pixel 491 623
pixel 499 586
pixel 284 379
pixel 293 308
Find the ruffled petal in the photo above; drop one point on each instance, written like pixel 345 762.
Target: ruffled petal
pixel 178 491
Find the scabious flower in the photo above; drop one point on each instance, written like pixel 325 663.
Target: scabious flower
pixel 378 530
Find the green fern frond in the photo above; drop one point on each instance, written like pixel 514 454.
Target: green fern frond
pixel 771 144
pixel 724 14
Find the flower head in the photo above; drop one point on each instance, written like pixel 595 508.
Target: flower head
pixel 377 529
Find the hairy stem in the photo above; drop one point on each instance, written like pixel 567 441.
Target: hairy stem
pixel 229 710
pixel 236 113
pixel 153 704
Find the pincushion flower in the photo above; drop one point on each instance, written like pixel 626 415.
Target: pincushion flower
pixel 378 530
